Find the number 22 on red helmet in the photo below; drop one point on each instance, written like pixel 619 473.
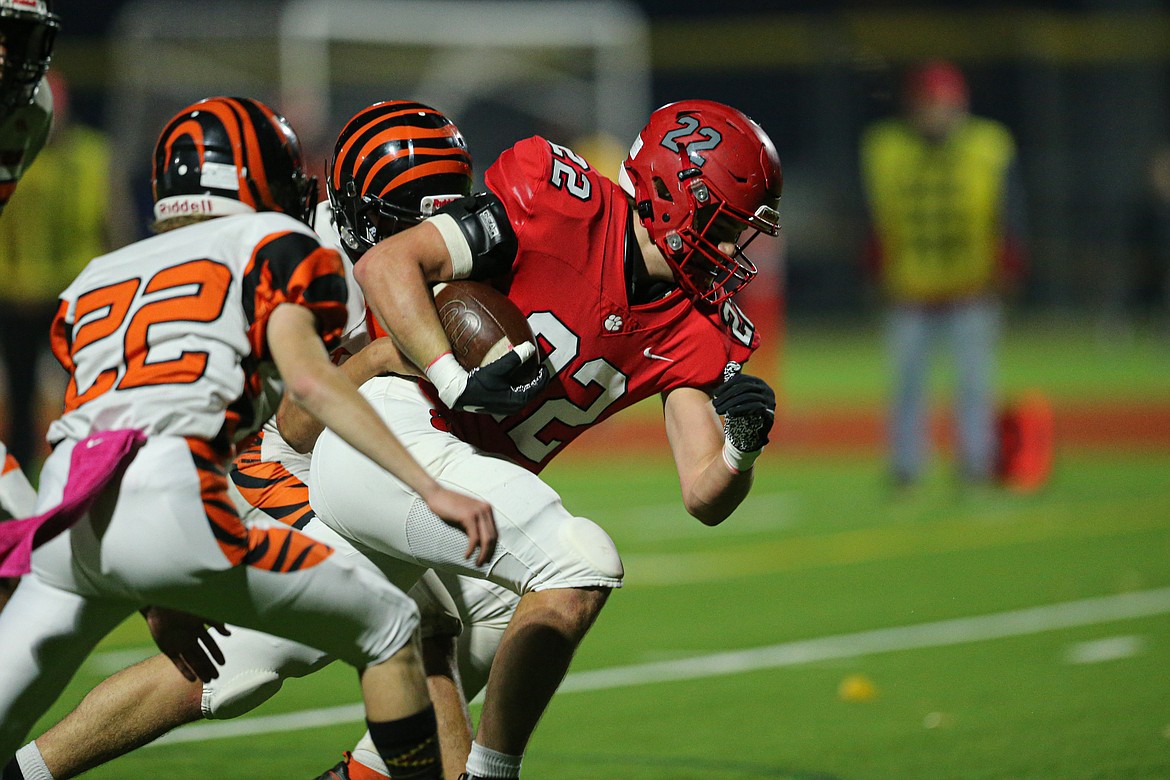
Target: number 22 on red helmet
pixel 705 178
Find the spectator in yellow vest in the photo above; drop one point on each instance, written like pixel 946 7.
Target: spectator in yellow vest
pixel 52 226
pixel 947 216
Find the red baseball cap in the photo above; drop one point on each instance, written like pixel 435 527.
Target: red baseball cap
pixel 937 81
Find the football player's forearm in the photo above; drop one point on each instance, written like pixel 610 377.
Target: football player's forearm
pixel 395 278
pixel 382 356
pixel 716 492
pixel 404 308
pixel 711 491
pixel 319 387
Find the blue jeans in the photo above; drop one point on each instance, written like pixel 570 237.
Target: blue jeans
pixel 972 328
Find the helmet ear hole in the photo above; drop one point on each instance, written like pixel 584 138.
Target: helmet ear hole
pixel 661 190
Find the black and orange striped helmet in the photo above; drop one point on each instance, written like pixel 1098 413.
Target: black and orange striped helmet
pixel 228 155
pixel 395 163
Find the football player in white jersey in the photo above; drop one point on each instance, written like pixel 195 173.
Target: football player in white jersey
pixel 405 160
pixel 27 31
pixel 170 343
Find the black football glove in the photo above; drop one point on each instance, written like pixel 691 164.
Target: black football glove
pixel 748 408
pixel 503 386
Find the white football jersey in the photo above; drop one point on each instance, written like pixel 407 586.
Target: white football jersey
pixel 326 227
pixel 274 449
pixel 168 335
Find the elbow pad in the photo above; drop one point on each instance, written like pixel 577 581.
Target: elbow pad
pixel 483 222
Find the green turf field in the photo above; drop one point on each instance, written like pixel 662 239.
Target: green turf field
pixel 1004 636
pixel 1071 360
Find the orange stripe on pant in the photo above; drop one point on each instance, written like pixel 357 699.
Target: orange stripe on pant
pixel 272 549
pixel 272 488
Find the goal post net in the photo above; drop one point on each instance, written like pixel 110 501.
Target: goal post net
pixel 576 71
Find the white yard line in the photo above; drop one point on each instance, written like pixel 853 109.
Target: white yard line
pixel 943 633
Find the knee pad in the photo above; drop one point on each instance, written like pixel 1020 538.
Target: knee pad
pixel 224 699
pixel 594 546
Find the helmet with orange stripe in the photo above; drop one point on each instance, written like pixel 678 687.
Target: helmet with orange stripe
pixel 228 155
pixel 395 163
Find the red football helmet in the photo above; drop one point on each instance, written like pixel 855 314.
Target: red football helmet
pixel 701 174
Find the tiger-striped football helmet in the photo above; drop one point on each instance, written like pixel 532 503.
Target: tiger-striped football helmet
pixel 229 155
pixel 394 164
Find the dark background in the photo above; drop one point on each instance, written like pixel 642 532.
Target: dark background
pixel 1083 86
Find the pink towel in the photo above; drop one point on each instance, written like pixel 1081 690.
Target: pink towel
pixel 95 462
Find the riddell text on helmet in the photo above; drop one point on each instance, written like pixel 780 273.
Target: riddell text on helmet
pixel 201 206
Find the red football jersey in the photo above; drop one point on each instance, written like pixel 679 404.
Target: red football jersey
pixel 568 277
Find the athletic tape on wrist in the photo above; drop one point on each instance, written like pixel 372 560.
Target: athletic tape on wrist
pixel 448 377
pixel 737 461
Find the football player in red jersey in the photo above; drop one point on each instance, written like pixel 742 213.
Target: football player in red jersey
pixel 625 332
pixel 629 288
pixel 27 31
pixel 170 344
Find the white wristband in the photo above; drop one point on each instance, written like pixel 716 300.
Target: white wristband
pixel 737 461
pixel 448 377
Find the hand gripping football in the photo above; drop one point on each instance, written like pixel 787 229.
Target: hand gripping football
pixel 480 322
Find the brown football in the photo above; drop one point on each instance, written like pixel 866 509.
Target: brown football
pixel 480 322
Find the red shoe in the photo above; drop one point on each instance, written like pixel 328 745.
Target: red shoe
pixel 351 769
